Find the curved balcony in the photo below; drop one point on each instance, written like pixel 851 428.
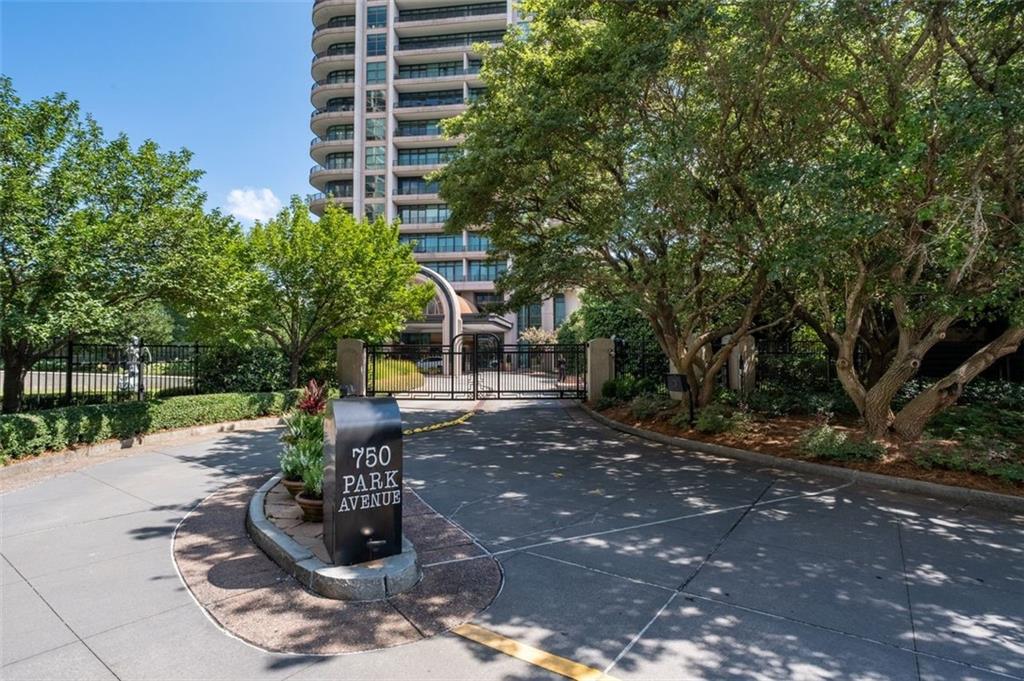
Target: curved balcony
pixel 331 60
pixel 322 91
pixel 326 35
pixel 325 10
pixel 321 119
pixel 317 201
pixel 319 148
pixel 319 175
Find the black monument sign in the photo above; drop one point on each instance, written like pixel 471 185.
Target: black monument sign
pixel 362 479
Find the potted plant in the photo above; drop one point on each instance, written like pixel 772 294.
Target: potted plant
pixel 292 467
pixel 311 498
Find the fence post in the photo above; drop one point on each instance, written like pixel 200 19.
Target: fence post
pixel 600 366
pixel 351 368
pixel 68 373
pixel 195 368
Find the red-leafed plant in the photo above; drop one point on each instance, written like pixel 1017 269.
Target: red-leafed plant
pixel 313 398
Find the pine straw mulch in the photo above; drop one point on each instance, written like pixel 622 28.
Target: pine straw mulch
pixel 779 436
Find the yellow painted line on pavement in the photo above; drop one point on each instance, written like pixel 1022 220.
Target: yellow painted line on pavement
pixel 442 424
pixel 535 656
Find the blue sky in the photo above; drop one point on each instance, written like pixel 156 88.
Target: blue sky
pixel 228 80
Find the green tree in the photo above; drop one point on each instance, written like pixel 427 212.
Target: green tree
pixel 307 282
pixel 90 230
pixel 914 206
pixel 635 150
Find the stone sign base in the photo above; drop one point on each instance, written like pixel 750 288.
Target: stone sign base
pixel 297 547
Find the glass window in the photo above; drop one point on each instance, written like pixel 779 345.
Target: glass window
pixel 375 157
pixel 376 72
pixel 452 11
pixel 341 76
pixel 338 188
pixel 374 186
pixel 376 45
pixel 416 185
pixel 424 213
pixel 340 104
pixel 485 301
pixel 433 243
pixel 476 93
pixel 529 316
pixel 375 128
pixel 559 309
pixel 419 128
pixel 430 98
pixel 483 270
pixel 376 17
pixel 478 242
pixel 376 101
pixel 420 42
pixel 426 156
pixel 341 159
pixel 373 210
pixel 342 48
pixel 340 132
pixel 441 68
pixel 452 271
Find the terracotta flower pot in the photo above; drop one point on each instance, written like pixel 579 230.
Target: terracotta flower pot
pixel 293 486
pixel 312 509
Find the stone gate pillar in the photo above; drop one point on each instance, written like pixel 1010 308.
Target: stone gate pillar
pixel 600 366
pixel 351 370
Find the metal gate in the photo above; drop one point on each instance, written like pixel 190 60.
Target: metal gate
pixel 477 366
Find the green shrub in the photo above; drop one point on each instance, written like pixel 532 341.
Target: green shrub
pixel 992 460
pixel 313 478
pixel 773 399
pixel 226 368
pixel 719 418
pixel 300 426
pixel 825 442
pixel 56 429
pixel 291 462
pixel 621 389
pixel 606 403
pixel 648 406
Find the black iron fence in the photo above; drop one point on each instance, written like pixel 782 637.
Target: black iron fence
pixel 477 371
pixel 81 373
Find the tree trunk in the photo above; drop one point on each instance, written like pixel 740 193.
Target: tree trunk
pixel 14 382
pixel 912 419
pixel 293 370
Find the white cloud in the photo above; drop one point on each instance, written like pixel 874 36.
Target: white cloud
pixel 248 204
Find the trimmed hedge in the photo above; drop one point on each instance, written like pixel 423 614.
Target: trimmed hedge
pixel 56 429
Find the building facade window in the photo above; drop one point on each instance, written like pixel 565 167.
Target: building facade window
pixel 344 131
pixel 341 76
pixel 418 128
pixel 376 45
pixel 426 156
pixel 341 48
pixel 433 70
pixel 529 316
pixel 373 210
pixel 452 271
pixel 433 243
pixel 559 303
pixel 488 301
pixel 341 159
pixel 476 93
pixel 478 242
pixel 338 188
pixel 421 42
pixel 376 17
pixel 340 104
pixel 430 98
pixel 376 72
pixel 450 12
pixel 374 186
pixel 375 128
pixel 424 213
pixel 483 270
pixel 376 101
pixel 340 22
pixel 375 157
pixel 416 185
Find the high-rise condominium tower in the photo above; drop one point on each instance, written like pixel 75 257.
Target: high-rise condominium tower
pixel 386 73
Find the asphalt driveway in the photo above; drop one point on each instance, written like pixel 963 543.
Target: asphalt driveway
pixel 623 555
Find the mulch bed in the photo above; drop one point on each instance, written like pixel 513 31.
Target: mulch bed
pixel 252 598
pixel 779 436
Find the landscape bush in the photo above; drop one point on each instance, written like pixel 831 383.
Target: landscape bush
pixel 827 442
pixel 28 434
pixel 224 369
pixel 648 406
pixel 718 418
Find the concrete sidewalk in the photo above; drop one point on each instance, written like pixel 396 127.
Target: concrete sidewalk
pixel 617 553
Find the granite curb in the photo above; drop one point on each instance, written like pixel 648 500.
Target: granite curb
pixel 958 495
pixel 388 576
